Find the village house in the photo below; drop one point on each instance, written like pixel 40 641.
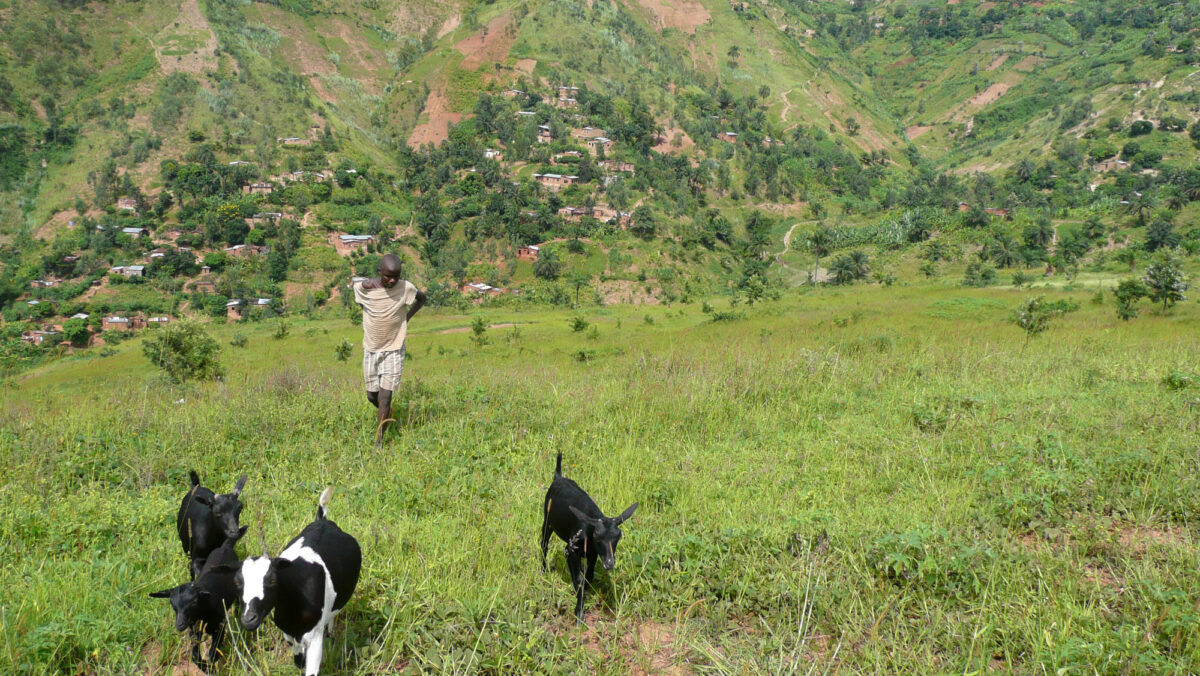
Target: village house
pixel 258 189
pixel 600 143
pixel 575 154
pixel 204 286
pixel 995 211
pixel 606 214
pixel 543 134
pixel 587 132
pixel 1112 165
pixel 293 141
pixel 244 250
pixel 727 136
pixel 39 337
pixel 963 206
pixel 157 253
pixel 127 204
pixel 512 93
pixel 555 182
pixel 567 93
pixel 526 113
pixel 260 302
pixel 566 103
pixel 481 289
pixel 264 218
pixel 45 283
pixel 239 163
pixel 344 243
pixel 80 315
pixel 491 154
pixel 528 253
pixel 574 213
pixel 233 309
pixel 71 258
pixel 158 321
pixel 170 235
pixel 616 166
pixel 115 323
pixel 135 233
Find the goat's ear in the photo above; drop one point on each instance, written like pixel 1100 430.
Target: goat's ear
pixel 237 487
pixel 164 594
pixel 627 513
pixel 583 518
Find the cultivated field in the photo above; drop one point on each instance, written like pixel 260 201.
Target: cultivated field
pixel 843 481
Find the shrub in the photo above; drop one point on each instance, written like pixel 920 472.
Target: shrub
pixel 239 340
pixel 1179 380
pixel 184 351
pixel 1034 316
pixel 1165 281
pixel 979 274
pixel 281 330
pixel 479 329
pixel 1127 294
pixel 343 350
pixel 578 324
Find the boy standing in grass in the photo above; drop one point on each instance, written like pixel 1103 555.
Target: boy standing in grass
pixel 388 302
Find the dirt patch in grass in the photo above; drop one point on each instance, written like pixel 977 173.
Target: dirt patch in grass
pixel 449 25
pixel 436 128
pixel 60 220
pixel 685 15
pixel 526 65
pixel 666 145
pixel 489 45
pixel 916 131
pixel 627 292
pixel 467 329
pixel 187 44
pixel 652 649
pixel 1138 539
pixel 989 95
pixel 997 62
pixel 1028 63
pixel 902 62
pixel 1103 576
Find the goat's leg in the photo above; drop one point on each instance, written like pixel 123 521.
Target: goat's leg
pixel 214 650
pixel 575 563
pixel 297 652
pixel 546 530
pixel 591 569
pixel 313 653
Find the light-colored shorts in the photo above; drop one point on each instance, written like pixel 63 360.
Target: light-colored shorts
pixel 381 370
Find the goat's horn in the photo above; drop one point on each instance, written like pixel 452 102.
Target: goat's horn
pixel 325 495
pixel 237 487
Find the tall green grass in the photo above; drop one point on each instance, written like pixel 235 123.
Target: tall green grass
pixel 860 480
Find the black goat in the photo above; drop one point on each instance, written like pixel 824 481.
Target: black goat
pixel 200 605
pixel 571 514
pixel 306 585
pixel 206 520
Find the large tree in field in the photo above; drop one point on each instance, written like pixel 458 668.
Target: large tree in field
pixel 1164 280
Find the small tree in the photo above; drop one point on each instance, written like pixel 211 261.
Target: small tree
pixel 281 330
pixel 343 350
pixel 578 324
pixel 184 351
pixel 1034 316
pixel 547 266
pixel 1127 294
pixel 479 327
pixel 1165 281
pixel 75 331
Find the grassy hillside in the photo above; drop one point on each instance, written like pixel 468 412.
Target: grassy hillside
pixel 861 480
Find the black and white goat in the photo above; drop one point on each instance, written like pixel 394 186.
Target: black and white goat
pixel 200 605
pixel 206 520
pixel 571 514
pixel 306 585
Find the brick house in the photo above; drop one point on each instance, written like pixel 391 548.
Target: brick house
pixel 244 250
pixel 574 213
pixel 480 289
pixel 564 155
pixel 204 286
pixel 600 142
pixel 616 166
pixel 115 323
pixel 512 93
pixel 293 141
pixel 528 253
pixel 239 163
pixel 728 136
pixel 135 233
pixel 491 154
pixel 555 182
pixel 1112 165
pixel 258 189
pixel 233 309
pixel 606 214
pixel 127 204
pixel 543 134
pixel 264 218
pixel 44 283
pixel 995 211
pixel 344 244
pixel 158 321
pixel 38 337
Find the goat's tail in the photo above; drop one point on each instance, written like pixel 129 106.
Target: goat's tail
pixel 558 465
pixel 195 477
pixel 322 512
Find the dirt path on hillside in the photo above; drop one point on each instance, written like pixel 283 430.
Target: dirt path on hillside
pixel 787 108
pixel 787 246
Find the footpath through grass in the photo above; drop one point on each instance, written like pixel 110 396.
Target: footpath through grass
pixel 864 480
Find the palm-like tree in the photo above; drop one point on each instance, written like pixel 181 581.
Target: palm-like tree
pixel 1004 250
pixel 1141 206
pixel 1128 256
pixel 819 243
pixel 1025 170
pixel 842 269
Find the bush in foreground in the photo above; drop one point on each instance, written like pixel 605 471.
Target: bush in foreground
pixel 184 351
